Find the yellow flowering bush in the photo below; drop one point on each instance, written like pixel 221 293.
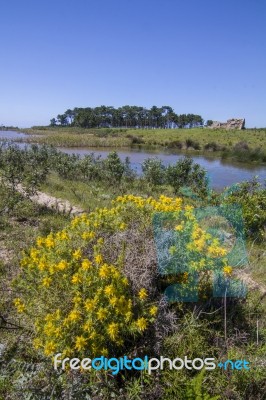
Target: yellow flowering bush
pixel 73 285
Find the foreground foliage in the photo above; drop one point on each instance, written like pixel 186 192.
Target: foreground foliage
pixel 108 256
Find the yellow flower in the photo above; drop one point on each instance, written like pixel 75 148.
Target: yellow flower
pixel 93 335
pixel 77 254
pixel 49 242
pixel 49 317
pixel 34 254
pixel 62 265
pixel 64 235
pixel 37 343
pixel 113 301
pixel 179 227
pixel 40 241
pixel 101 314
pixel 112 330
pixel 46 282
pixel 143 294
pixel 228 270
pixel 49 348
pixel 115 273
pixel 76 279
pixel 20 306
pixel 153 311
pixel 98 259
pixel 216 251
pixel 90 304
pixel 88 235
pixel 42 265
pixel 104 271
pixel 128 316
pixel 199 243
pixel 122 226
pixel 86 264
pixel 80 343
pixel 125 281
pixel 104 352
pixel 109 290
pixel 74 315
pixel 88 326
pixel 58 332
pixel 49 328
pixel 141 324
pixel 77 299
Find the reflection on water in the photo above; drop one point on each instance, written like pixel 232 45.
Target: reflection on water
pixel 221 172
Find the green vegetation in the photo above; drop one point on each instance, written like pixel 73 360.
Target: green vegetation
pixel 247 145
pixel 122 238
pixel 126 116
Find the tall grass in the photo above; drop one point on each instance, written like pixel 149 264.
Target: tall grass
pixel 245 145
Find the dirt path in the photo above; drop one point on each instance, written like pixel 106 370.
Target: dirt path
pixel 251 284
pixel 52 202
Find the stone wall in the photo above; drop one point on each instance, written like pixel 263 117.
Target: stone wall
pixel 230 124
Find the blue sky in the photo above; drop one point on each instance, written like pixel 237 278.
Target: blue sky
pixel 199 56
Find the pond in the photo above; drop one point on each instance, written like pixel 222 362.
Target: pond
pixel 11 135
pixel 221 172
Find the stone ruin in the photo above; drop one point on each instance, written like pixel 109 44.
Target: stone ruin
pixel 230 124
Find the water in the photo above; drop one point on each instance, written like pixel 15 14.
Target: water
pixel 11 135
pixel 221 172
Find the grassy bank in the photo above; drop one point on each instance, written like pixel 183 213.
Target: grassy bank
pixel 246 145
pixel 152 137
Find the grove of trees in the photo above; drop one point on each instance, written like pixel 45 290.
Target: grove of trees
pixel 126 117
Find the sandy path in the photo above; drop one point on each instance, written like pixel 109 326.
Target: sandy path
pixel 52 202
pixel 251 284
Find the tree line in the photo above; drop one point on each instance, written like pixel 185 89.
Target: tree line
pixel 126 117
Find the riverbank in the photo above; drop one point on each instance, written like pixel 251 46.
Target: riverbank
pixel 240 145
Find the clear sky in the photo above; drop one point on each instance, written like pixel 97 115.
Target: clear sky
pixel 206 57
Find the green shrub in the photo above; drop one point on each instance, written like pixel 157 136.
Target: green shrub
pixel 252 198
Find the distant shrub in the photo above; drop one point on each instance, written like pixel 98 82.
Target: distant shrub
pixel 212 146
pixel 136 139
pixel 241 146
pixel 175 144
pixel 192 143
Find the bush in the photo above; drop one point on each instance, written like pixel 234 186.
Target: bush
pixel 252 198
pixel 186 173
pixel 176 144
pixel 192 143
pixel 212 146
pixel 114 167
pixel 241 146
pixel 135 139
pixel 93 288
pixel 154 171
